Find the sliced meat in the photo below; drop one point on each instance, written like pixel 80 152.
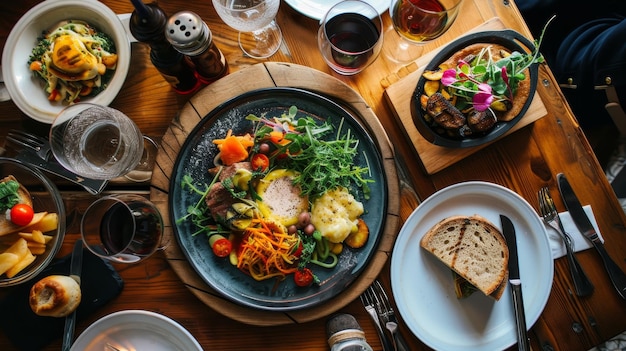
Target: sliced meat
pixel 219 200
pixel 444 113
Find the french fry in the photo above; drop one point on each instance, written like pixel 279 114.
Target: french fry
pixel 7 260
pixel 38 237
pixel 29 237
pixel 48 222
pixel 19 248
pixel 21 264
pixel 36 248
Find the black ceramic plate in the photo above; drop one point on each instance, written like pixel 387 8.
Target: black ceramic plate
pixel 196 157
pixel 509 39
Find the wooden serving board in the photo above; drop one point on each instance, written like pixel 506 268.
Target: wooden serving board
pixel 434 157
pixel 268 75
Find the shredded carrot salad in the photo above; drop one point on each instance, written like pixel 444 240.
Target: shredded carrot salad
pixel 267 250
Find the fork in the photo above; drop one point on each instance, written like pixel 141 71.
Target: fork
pixel 30 141
pixel 386 314
pixel 368 300
pixel 39 155
pixel 582 284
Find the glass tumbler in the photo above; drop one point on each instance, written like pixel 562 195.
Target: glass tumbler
pixel 96 141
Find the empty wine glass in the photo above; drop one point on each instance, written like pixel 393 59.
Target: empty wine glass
pixel 259 34
pixel 417 22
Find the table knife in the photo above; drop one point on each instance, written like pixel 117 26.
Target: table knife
pixel 515 283
pixel 76 265
pixel 617 276
pixel 93 186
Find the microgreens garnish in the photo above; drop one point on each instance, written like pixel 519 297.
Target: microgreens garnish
pixel 483 80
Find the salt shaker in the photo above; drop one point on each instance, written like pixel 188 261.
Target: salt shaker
pixel 191 36
pixel 345 334
pixel 147 24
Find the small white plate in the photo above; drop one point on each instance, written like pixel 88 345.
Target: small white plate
pixel 423 287
pixel 136 330
pixel 316 9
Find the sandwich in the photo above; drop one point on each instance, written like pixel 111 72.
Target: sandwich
pixel 474 249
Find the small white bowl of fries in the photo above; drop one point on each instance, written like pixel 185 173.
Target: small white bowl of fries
pixel 27 248
pixel 64 51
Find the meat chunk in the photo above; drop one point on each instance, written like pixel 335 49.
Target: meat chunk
pixel 444 113
pixel 481 121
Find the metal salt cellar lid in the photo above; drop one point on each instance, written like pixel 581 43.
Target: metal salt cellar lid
pixel 187 33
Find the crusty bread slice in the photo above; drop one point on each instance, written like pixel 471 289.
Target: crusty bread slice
pixel 474 248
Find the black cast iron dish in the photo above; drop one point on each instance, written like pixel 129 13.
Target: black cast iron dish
pixel 511 40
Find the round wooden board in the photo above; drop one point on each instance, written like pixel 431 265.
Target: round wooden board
pixel 269 75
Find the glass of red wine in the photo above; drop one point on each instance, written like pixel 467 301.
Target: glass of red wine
pixel 417 22
pixel 122 228
pixel 350 36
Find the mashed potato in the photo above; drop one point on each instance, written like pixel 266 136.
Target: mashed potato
pixel 335 214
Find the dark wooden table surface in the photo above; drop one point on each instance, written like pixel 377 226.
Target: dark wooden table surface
pixel 523 161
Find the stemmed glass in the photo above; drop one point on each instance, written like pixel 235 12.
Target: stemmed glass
pixel 259 34
pixel 417 22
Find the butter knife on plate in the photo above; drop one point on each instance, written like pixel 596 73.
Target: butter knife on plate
pixel 76 266
pixel 617 276
pixel 515 283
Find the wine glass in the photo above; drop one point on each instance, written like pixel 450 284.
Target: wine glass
pixel 259 34
pixel 350 36
pixel 122 228
pixel 99 142
pixel 417 22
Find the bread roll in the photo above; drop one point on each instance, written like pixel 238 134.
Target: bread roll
pixel 55 296
pixel 473 247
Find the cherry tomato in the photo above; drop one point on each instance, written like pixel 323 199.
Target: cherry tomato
pixel 303 277
pixel 260 162
pixel 21 214
pixel 221 246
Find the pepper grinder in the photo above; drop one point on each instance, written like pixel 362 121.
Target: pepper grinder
pixel 191 36
pixel 345 334
pixel 147 24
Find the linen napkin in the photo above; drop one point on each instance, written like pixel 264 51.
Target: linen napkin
pixel 580 243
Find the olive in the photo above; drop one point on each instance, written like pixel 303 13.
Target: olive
pixel 264 148
pixel 292 229
pixel 304 218
pixel 309 229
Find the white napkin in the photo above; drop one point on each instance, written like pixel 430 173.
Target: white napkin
pixel 579 241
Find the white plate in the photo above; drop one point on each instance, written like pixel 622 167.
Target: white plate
pixel 136 330
pixel 423 288
pixel 316 9
pixel 27 91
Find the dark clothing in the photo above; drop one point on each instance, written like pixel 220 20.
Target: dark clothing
pixel 585 46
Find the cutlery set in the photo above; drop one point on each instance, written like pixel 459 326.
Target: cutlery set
pixel 35 150
pixel 378 306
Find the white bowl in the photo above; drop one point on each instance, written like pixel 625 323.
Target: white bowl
pixel 25 89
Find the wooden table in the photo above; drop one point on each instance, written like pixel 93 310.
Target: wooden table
pixel 523 161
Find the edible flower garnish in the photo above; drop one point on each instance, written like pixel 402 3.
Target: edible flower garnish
pixel 484 80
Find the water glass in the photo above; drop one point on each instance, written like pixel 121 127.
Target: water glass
pixel 96 141
pixel 350 36
pixel 122 228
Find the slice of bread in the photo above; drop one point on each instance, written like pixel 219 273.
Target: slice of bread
pixel 474 248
